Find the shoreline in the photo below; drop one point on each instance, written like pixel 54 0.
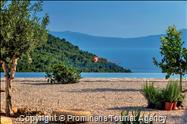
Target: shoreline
pixel 101 78
pixel 102 75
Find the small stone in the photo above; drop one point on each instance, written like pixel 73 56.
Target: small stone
pixel 176 108
pixel 14 110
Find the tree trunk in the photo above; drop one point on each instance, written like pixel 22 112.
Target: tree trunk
pixel 13 67
pixel 8 103
pixel 181 82
pixel 9 76
pixel 8 97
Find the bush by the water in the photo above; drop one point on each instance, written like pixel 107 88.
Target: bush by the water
pixel 62 73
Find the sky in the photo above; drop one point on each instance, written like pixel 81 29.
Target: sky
pixel 116 19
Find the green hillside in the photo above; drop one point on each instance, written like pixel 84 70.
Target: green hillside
pixel 59 50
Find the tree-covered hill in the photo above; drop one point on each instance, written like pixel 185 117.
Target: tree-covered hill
pixel 59 50
pixel 121 50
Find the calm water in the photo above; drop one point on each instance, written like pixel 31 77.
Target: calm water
pixel 97 75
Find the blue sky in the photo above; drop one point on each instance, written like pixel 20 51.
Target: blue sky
pixel 116 19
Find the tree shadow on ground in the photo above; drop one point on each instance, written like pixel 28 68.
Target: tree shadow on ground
pixel 185 116
pixel 44 83
pixel 103 80
pixel 104 90
pixel 26 80
pixel 181 119
pixel 120 80
pixel 131 108
pixel 37 84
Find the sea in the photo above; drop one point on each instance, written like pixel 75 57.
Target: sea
pixel 97 75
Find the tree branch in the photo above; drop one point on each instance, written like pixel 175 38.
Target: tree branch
pixel 13 68
pixel 5 69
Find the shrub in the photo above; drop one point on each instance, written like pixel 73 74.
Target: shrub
pixel 172 92
pixel 180 100
pixel 153 95
pixel 137 117
pixel 181 97
pixel 61 73
pixel 156 97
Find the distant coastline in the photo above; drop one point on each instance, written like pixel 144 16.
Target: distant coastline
pixel 133 53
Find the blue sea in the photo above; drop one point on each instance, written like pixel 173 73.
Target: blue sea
pixel 97 75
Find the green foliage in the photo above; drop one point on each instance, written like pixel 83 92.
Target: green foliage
pixel 21 29
pixel 22 32
pixel 153 96
pixel 172 92
pixel 61 73
pixel 59 50
pixel 156 96
pixel 174 55
pixel 138 118
pixel 181 97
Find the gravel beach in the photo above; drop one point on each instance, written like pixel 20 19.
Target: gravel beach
pixel 100 96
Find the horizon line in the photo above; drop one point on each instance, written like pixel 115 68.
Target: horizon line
pixel 141 36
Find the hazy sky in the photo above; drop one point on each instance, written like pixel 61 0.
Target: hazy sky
pixel 116 19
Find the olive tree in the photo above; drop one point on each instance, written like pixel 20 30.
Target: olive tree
pixel 21 31
pixel 174 55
